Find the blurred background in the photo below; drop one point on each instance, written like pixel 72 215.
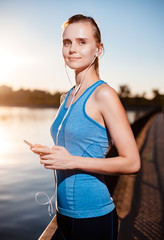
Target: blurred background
pixel 32 78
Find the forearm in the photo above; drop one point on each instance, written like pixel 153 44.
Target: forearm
pixel 114 165
pixel 59 158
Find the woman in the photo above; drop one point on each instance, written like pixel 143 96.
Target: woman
pixel 90 117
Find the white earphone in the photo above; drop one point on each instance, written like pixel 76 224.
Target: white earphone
pixel 97 52
pixel 49 202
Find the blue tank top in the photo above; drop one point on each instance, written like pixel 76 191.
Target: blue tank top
pixel 81 194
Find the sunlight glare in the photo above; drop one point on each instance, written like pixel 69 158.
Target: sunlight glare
pixel 8 62
pixel 4 146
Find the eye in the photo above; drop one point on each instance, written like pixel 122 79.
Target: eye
pixel 82 42
pixel 66 43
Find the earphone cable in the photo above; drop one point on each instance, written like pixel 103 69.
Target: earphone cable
pixel 49 202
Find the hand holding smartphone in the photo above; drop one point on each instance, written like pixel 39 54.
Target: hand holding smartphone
pixel 35 148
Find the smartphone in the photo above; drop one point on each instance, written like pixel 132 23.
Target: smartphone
pixel 28 143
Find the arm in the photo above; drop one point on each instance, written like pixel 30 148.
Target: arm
pixel 117 123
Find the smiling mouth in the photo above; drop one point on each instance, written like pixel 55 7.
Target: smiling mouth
pixel 73 58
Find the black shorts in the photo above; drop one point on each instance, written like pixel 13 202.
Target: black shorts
pixel 96 228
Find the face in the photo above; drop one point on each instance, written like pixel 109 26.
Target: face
pixel 79 45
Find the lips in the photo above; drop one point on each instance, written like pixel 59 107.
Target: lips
pixel 74 58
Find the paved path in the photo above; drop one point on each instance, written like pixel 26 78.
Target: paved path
pixel 146 218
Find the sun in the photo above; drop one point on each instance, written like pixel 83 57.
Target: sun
pixel 8 62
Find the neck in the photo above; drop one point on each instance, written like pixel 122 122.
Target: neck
pixel 86 77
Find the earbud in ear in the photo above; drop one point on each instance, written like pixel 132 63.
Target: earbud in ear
pixel 97 52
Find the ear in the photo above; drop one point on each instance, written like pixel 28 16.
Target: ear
pixel 97 53
pixel 99 50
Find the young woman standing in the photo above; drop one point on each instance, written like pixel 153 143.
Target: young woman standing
pixel 90 117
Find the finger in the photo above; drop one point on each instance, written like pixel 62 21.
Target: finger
pixel 57 147
pixel 47 157
pixel 47 162
pixel 34 151
pixel 49 166
pixel 44 150
pixel 37 146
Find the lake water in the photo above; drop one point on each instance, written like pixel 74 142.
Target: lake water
pixel 21 175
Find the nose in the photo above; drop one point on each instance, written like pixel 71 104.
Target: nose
pixel 73 48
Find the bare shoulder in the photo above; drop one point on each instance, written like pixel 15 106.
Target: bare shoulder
pixel 62 97
pixel 108 101
pixel 105 93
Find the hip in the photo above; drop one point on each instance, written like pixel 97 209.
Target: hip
pixel 102 227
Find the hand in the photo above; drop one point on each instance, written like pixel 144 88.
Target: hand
pixel 55 158
pixel 39 149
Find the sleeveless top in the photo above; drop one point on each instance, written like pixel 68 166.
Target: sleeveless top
pixel 81 194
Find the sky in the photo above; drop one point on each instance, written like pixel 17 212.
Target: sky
pixel 132 33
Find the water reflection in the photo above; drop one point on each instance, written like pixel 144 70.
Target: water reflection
pixel 21 174
pixel 4 145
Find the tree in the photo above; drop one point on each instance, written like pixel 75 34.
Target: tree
pixel 124 91
pixel 156 93
pixel 5 90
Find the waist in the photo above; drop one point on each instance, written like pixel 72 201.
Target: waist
pixel 82 194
